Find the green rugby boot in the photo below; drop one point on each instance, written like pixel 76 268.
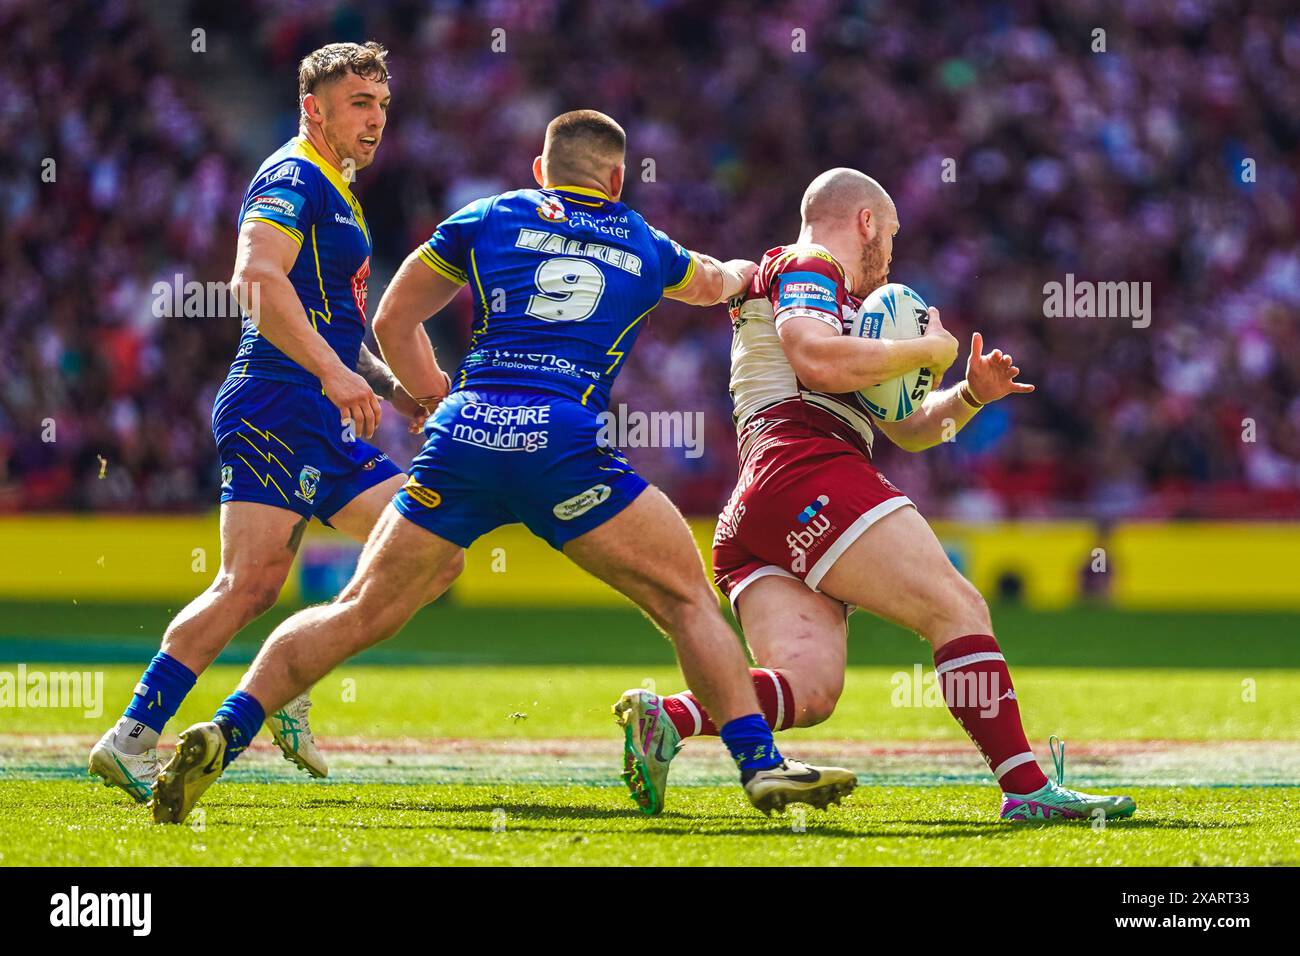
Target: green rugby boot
pixel 650 742
pixel 1053 801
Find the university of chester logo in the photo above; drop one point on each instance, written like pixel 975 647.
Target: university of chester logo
pixel 422 495
pixel 307 481
pixel 552 210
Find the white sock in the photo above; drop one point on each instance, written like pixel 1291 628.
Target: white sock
pixel 133 737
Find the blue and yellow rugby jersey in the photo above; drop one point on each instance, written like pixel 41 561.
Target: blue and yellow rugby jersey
pixel 562 279
pixel 307 199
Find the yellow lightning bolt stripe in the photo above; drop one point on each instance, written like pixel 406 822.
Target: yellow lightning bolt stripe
pixel 473 264
pixel 319 278
pixel 266 455
pixel 265 434
pixel 265 481
pixel 473 337
pixel 613 350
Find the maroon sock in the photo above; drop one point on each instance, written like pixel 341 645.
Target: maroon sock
pixel 774 696
pixel 977 688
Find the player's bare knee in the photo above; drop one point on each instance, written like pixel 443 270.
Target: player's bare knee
pixel 446 576
pixel 961 610
pixel 249 594
pixel 816 703
pixel 973 609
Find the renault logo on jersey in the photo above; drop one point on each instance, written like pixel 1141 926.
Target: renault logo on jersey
pixel 308 479
pixel 580 504
pixel 552 210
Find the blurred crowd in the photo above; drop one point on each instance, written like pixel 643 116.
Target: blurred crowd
pixel 1019 143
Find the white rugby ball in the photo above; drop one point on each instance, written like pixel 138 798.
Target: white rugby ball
pixel 894 312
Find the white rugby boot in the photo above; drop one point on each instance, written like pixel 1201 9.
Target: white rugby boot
pixel 292 734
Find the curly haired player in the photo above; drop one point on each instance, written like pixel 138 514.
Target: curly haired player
pixel 800 541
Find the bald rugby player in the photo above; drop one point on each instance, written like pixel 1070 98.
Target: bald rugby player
pixel 814 530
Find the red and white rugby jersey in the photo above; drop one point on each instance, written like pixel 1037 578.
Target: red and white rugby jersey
pixel 798 280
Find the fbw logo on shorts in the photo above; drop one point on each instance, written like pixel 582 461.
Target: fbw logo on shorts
pixel 811 511
pixel 814 526
pixel 72 909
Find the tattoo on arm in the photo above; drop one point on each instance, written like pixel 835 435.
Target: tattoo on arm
pixel 372 368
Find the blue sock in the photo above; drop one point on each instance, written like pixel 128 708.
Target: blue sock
pixel 240 717
pixel 749 739
pixel 162 687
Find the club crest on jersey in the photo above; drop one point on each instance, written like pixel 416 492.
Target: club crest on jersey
pixel 552 210
pixel 308 479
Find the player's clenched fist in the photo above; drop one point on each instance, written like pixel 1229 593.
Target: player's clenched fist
pixel 352 396
pixel 944 345
pixel 743 270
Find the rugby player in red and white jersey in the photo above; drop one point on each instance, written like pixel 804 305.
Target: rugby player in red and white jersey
pixel 813 529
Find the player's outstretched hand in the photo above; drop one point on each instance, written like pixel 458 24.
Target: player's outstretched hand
pixel 945 346
pixel 408 406
pixel 990 377
pixel 352 396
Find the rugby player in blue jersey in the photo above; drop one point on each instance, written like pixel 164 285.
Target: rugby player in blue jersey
pixel 562 277
pixel 292 417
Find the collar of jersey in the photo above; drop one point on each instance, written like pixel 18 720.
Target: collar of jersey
pixel 798 248
pixel 581 191
pixel 308 152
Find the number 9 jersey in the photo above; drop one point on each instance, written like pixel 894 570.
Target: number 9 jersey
pixel 562 278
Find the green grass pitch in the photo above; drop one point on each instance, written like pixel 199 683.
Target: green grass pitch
pixel 483 737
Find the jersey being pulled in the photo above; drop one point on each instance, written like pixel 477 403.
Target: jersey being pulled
pixel 799 280
pixel 561 278
pixel 307 199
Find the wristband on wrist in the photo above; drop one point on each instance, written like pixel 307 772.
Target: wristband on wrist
pixel 968 396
